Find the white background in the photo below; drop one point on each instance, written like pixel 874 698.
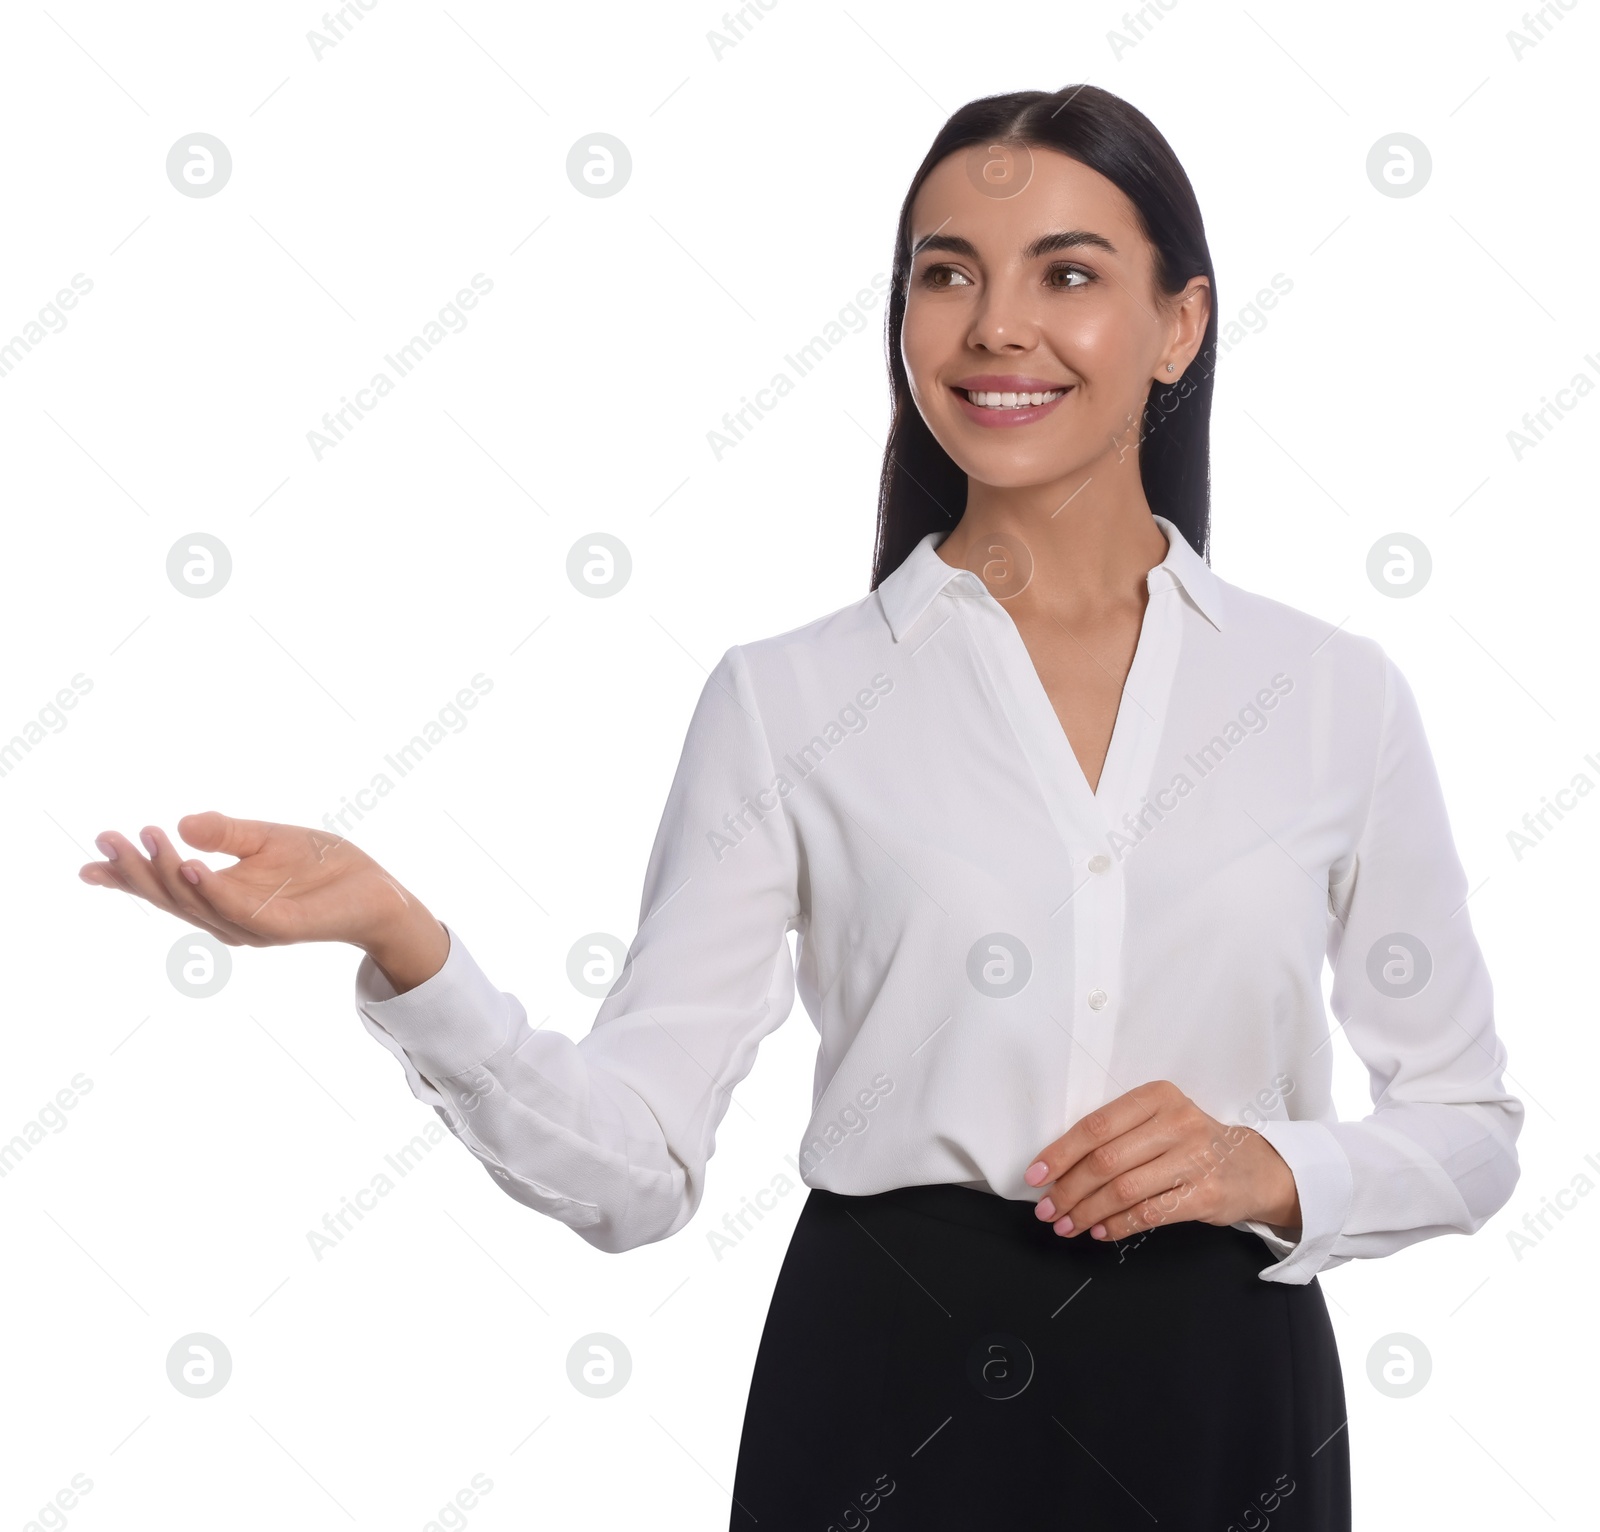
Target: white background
pixel 430 545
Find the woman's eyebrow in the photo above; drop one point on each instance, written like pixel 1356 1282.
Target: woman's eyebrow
pixel 1045 244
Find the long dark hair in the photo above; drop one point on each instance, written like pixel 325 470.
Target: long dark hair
pixel 921 489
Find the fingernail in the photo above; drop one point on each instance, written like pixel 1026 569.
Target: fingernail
pixel 1065 1226
pixel 1045 1208
pixel 106 849
pixel 1036 1173
pixel 1099 1231
pixel 149 841
pixel 189 873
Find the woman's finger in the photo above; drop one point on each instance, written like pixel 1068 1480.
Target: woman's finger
pixel 1106 1163
pixel 185 894
pixel 106 875
pixel 1157 1192
pixel 1186 1184
pixel 1070 1154
pixel 128 870
pixel 212 831
pixel 131 871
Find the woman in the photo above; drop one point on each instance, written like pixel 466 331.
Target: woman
pixel 1065 825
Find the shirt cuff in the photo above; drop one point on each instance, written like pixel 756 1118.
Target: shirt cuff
pixel 1276 1242
pixel 1324 1184
pixel 446 1025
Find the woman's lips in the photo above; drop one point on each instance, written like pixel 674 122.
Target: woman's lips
pixel 1019 415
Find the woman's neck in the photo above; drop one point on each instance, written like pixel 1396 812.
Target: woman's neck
pixel 1059 548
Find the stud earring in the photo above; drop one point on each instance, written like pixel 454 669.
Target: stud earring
pixel 1169 367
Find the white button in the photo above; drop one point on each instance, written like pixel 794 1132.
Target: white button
pixel 1100 862
pixel 1097 999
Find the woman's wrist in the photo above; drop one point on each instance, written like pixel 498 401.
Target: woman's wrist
pixel 1283 1215
pixel 412 954
pixel 1279 1207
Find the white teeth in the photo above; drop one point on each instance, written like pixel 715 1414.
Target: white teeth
pixel 998 401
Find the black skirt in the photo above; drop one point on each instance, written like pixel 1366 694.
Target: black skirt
pixel 936 1357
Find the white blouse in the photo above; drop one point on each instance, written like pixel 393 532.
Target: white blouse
pixel 989 950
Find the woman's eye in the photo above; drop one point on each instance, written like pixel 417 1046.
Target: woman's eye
pixel 944 277
pixel 1056 272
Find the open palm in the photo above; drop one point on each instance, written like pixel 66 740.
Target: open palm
pixel 289 884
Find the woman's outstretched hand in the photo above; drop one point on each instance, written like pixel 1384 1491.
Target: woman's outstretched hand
pixel 289 884
pixel 1153 1157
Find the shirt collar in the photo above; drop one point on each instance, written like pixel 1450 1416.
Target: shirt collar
pixel 908 591
pixel 1191 574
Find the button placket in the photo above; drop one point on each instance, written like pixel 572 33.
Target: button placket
pixel 1097 945
pixel 1100 923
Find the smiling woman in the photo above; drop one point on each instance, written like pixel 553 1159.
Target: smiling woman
pixel 1141 263
pixel 1067 1271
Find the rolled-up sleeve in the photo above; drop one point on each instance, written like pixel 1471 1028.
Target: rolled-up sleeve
pixel 611 1134
pixel 1437 1154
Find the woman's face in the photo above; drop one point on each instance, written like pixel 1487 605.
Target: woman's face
pixel 1048 289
